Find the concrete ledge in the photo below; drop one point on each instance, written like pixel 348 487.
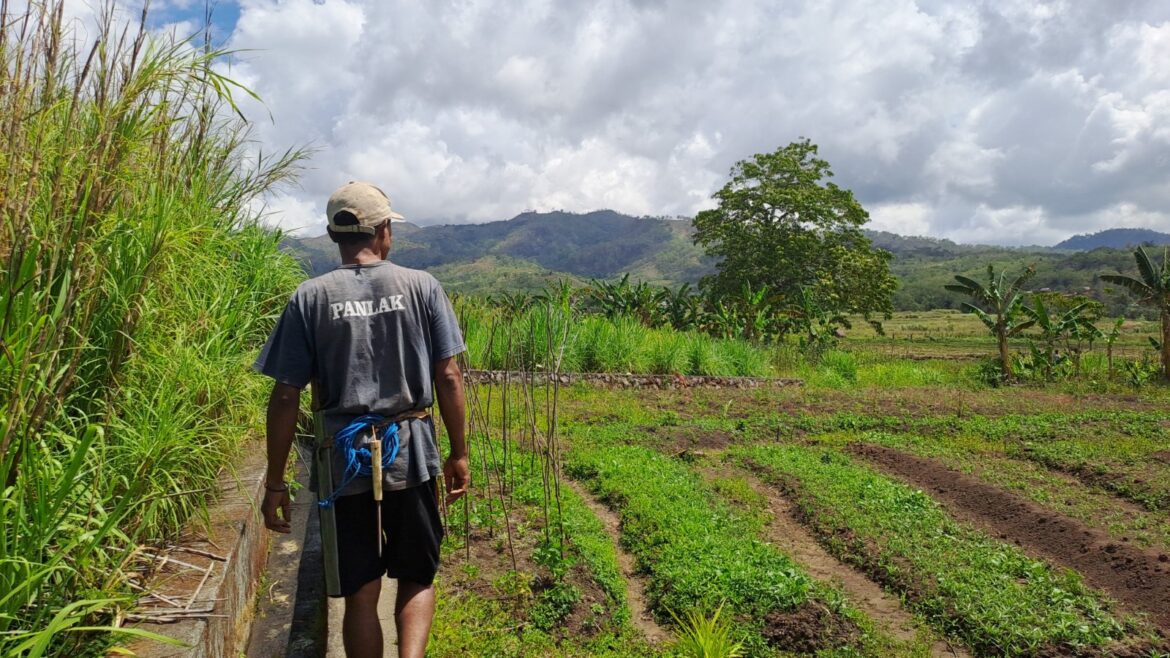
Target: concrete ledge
pixel 190 576
pixel 290 616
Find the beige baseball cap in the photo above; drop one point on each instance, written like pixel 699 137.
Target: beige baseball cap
pixel 365 201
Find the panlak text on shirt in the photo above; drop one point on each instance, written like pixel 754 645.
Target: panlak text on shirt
pixel 366 308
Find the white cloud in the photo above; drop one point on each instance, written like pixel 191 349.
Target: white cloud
pixel 901 218
pixel 290 213
pixel 1004 121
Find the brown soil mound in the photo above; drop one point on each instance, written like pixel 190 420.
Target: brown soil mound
pixel 1138 579
pixel 809 629
pixel 484 567
pixel 675 440
pixel 1132 483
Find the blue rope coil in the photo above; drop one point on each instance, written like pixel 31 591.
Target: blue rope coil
pixel 358 459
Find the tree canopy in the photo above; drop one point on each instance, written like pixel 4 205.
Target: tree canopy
pixel 781 223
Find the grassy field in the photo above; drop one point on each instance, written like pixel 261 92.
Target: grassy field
pixel 547 337
pixel 947 333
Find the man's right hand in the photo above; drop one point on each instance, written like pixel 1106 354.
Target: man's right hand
pixel 456 478
pixel 283 407
pixel 274 501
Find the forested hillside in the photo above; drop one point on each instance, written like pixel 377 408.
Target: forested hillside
pixel 524 249
pixel 533 249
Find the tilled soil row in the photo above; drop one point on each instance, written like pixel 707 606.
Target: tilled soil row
pixel 909 404
pixel 640 613
pixel 492 561
pixel 786 532
pixel 806 630
pixel 1131 487
pixel 1138 579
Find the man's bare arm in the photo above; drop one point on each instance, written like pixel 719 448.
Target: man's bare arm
pixel 449 392
pixel 283 407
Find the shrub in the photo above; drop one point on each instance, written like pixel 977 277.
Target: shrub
pixel 844 364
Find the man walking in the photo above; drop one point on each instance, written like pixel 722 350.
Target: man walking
pixel 372 338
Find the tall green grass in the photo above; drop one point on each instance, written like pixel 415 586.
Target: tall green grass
pixel 134 288
pixel 498 339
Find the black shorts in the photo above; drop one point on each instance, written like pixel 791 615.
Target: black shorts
pixel 412 531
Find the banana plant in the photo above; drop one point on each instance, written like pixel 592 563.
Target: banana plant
pixel 560 295
pixel 1075 324
pixel 724 321
pixel 756 308
pixel 683 308
pixel 818 327
pixel 1152 289
pixel 641 301
pixel 1111 338
pixel 999 306
pixel 513 303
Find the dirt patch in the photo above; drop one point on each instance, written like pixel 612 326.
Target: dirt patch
pixel 1138 579
pixel 1162 456
pixel 809 629
pixel 786 532
pixel 640 613
pixel 484 566
pixel 688 439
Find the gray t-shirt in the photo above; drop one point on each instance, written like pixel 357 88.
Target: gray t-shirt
pixel 367 337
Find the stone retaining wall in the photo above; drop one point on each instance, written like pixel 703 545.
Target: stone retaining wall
pixel 616 380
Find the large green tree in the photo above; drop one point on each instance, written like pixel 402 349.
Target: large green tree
pixel 782 224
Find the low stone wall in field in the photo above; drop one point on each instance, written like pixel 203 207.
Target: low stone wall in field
pixel 618 380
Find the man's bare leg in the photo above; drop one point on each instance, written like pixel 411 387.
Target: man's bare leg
pixel 413 612
pixel 361 632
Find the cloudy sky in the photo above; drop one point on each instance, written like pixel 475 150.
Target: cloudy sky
pixel 997 121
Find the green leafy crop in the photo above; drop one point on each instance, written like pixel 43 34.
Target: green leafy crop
pixel 998 600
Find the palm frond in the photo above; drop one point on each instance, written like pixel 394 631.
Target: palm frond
pixel 1021 327
pixel 1028 273
pixel 1150 274
pixel 971 284
pixel 986 317
pixel 1139 288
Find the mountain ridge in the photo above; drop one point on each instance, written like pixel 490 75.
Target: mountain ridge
pixel 533 249
pixel 1114 238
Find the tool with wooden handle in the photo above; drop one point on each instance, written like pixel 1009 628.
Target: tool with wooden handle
pixel 323 455
pixel 376 467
